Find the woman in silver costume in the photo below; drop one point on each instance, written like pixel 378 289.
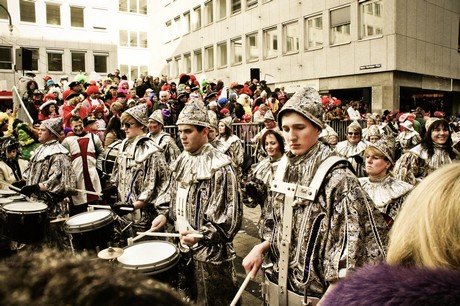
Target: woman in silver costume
pixel 231 144
pixel 409 138
pixel 353 148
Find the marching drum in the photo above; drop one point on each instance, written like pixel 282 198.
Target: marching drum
pixel 110 156
pixel 154 258
pixel 25 222
pixel 91 230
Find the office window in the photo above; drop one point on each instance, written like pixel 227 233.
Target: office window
pixel 177 66
pixel 133 6
pixel 176 27
pixel 187 63
pixel 123 7
pixel 133 42
pixel 313 32
pixel 222 55
pixel 27 10
pixel 198 60
pixel 6 57
pixel 3 14
pixel 186 23
pixel 124 38
pixel 236 6
pixel 208 13
pixel 251 3
pixel 236 46
pixel 168 30
pixel 55 60
pixel 196 21
pixel 143 9
pixel 270 38
pixel 340 25
pixel 291 37
pixel 371 18
pixel 252 47
pixel 143 40
pixel 78 61
pixel 100 19
pixel 133 73
pixel 169 66
pixel 144 70
pixel 221 9
pixel 100 62
pixel 35 58
pixel 77 17
pixel 209 58
pixel 53 14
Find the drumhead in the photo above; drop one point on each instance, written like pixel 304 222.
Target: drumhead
pixel 89 220
pixel 25 207
pixel 149 254
pixel 7 192
pixel 5 201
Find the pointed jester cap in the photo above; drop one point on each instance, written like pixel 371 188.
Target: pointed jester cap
pixel 140 113
pixel 307 103
pixel 194 113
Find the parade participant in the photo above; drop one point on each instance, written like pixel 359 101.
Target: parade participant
pixel 50 178
pixel 373 134
pixel 324 224
pixel 353 148
pixel 434 151
pixel 11 165
pixel 269 124
pixel 161 138
pixel 372 120
pixel 140 177
pixel 256 191
pixel 86 153
pixel 205 200
pixel 387 193
pixel 408 138
pixel 93 100
pixel 423 260
pixel 48 110
pixel 231 144
pixel 73 107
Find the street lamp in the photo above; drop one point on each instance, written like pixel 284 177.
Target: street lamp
pixel 10 26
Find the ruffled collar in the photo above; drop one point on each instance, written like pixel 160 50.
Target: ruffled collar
pixel 385 190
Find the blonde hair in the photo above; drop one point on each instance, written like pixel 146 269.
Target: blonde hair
pixel 426 232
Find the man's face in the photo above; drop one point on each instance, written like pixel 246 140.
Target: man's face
pixel 132 128
pixel 163 97
pixel 269 124
pixel 95 95
pixel 212 134
pixel 154 127
pixel 191 139
pixel 44 135
pixel 93 126
pixel 77 127
pixel 299 133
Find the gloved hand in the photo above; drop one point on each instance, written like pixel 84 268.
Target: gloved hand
pixel 254 190
pixel 27 190
pixel 122 209
pixel 358 159
pixel 19 184
pixel 109 191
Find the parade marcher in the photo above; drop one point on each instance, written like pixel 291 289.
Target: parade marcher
pixel 161 138
pixel 231 144
pixel 11 165
pixel 73 107
pixel 373 134
pixel 434 151
pixel 324 224
pixel 50 178
pixel 409 138
pixel 205 200
pixel 269 124
pixel 353 148
pixel 387 193
pixel 256 191
pixel 140 177
pixel 86 153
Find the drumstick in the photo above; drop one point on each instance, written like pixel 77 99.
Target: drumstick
pixel 108 207
pixel 240 291
pixel 88 192
pixel 10 186
pixel 131 240
pixel 156 234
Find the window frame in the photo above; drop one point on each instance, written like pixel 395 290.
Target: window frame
pixel 285 28
pixel 362 26
pixel 307 35
pixel 5 61
pixel 55 54
pixel 72 52
pixel 101 55
pixel 222 61
pixel 342 23
pixel 233 49
pixel 209 65
pixel 254 35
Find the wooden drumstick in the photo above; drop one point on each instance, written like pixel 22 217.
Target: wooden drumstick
pixel 108 207
pixel 88 192
pixel 139 236
pixel 157 234
pixel 240 291
pixel 10 186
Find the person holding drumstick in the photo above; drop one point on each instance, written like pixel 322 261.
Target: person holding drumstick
pixel 204 200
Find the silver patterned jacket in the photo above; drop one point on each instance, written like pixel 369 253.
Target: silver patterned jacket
pixel 169 146
pixel 353 153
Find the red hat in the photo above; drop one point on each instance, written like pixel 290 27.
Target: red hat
pixel 66 93
pixel 47 77
pixel 49 96
pixel 98 108
pixel 92 89
pixel 246 116
pixel 224 111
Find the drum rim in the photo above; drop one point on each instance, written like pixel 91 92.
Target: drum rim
pixel 157 267
pixel 24 212
pixel 89 226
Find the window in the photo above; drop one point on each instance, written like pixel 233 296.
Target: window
pixel 169 66
pixel 313 32
pixel 143 10
pixel 133 42
pixel 143 40
pixel 6 58
pixel 53 14
pixel 123 6
pixel 123 38
pixel 133 73
pixel 3 13
pixel 177 66
pixel 100 62
pixel 340 25
pixel 221 9
pixel 144 70
pixel 208 13
pixel 196 21
pixel 251 3
pixel 371 18
pixel 209 58
pixel 198 59
pixel 236 6
pixel 27 10
pixel 176 28
pixel 77 17
pixel 291 37
pixel 222 55
pixel 124 69
pixel 187 63
pixel 78 61
pixel 186 23
pixel 252 47
pixel 168 30
pixel 100 19
pixel 35 58
pixel 133 6
pixel 270 38
pixel 55 60
pixel 236 51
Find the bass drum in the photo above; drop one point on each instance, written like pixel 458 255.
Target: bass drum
pixel 110 156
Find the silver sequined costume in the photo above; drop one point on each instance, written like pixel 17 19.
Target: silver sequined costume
pixel 353 153
pixel 168 144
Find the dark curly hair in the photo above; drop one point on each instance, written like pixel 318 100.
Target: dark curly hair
pixel 428 144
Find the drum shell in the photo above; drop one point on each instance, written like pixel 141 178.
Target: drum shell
pixel 24 226
pixel 110 157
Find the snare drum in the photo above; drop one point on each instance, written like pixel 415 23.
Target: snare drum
pixel 110 156
pixel 154 258
pixel 91 230
pixel 25 222
pixel 4 193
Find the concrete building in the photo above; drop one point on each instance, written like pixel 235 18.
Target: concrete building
pixel 390 54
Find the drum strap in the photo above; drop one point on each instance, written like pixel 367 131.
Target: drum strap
pixel 182 223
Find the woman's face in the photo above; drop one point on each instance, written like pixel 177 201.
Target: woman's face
pixel 374 138
pixel 440 135
pixel 353 136
pixel 52 108
pixel 370 122
pixel 221 128
pixel 376 166
pixel 11 154
pixel 272 147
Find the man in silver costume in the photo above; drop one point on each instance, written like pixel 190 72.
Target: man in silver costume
pixel 161 138
pixel 205 200
pixel 50 178
pixel 316 239
pixel 140 176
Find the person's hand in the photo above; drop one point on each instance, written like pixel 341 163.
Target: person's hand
pixel 78 106
pixel 253 261
pixel 189 241
pixel 122 209
pixel 109 191
pixel 158 223
pixel 28 190
pixel 19 184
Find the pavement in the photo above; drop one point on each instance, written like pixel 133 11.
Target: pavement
pixel 244 241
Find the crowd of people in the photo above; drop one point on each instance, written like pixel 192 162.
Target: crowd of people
pixel 327 205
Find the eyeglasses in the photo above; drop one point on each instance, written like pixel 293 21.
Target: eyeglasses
pixel 356 134
pixel 127 125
